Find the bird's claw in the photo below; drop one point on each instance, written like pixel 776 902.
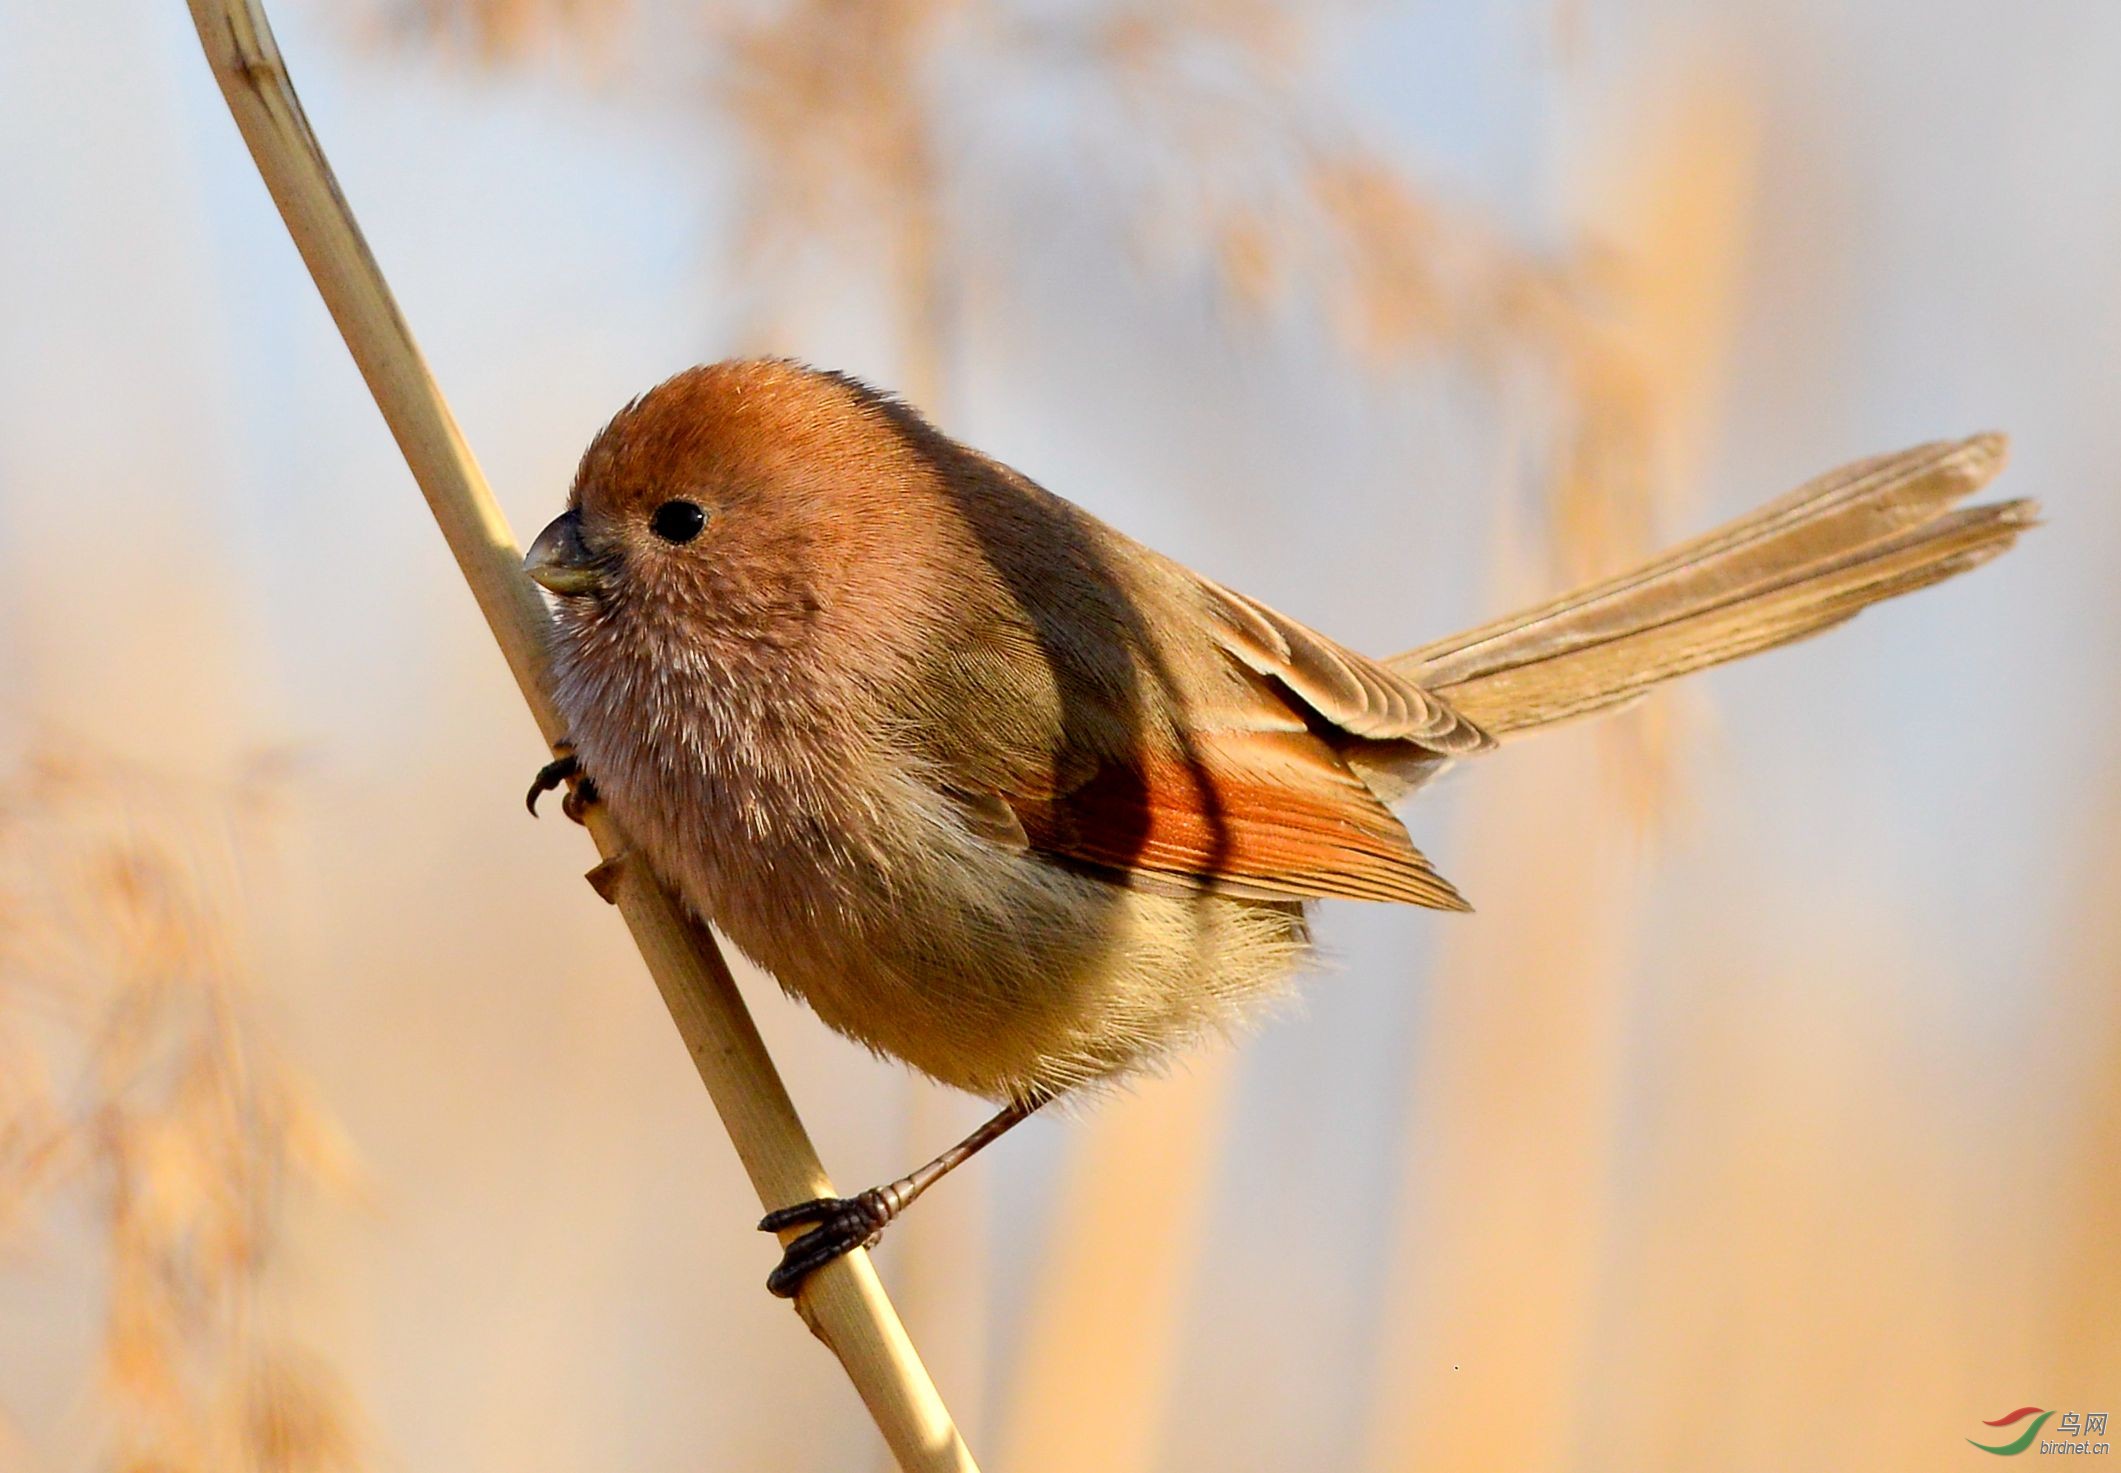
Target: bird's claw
pixel 578 800
pixel 550 776
pixel 838 1226
pixel 563 768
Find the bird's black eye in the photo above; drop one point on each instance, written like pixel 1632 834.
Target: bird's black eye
pixel 677 521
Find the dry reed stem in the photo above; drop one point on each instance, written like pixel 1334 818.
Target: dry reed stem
pixel 941 1261
pixel 1100 1357
pixel 844 1304
pixel 1672 215
pixel 1511 1107
pixel 1496 1271
pixel 2087 1275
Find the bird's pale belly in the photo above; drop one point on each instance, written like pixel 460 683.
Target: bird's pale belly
pixel 988 968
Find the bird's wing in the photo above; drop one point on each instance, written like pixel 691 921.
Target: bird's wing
pixel 1214 766
pixel 1349 692
pixel 1264 814
pixel 1138 720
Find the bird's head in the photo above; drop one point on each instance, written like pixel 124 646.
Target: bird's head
pixel 738 504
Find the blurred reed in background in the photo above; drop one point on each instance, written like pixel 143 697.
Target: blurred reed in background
pixel 145 1100
pixel 1666 1190
pixel 1228 163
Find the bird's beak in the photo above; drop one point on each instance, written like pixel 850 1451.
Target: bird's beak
pixel 559 560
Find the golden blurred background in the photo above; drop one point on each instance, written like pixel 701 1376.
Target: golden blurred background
pixel 1765 1116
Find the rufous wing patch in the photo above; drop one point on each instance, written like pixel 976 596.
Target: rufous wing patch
pixel 1267 815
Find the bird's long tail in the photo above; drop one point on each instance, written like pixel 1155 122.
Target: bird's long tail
pixel 1798 565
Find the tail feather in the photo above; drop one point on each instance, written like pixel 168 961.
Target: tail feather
pixel 1800 564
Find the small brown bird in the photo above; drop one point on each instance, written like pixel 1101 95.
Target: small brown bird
pixel 1002 793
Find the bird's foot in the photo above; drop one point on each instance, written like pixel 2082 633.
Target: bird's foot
pixel 566 767
pixel 838 1226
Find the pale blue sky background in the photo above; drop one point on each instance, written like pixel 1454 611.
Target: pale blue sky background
pixel 212 547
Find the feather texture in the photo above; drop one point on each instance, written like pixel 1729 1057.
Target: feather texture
pixel 1351 692
pixel 1004 794
pixel 1260 815
pixel 1798 565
